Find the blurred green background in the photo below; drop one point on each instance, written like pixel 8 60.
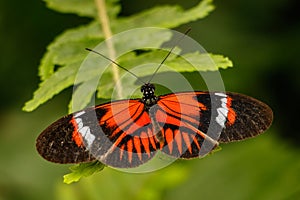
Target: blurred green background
pixel 262 39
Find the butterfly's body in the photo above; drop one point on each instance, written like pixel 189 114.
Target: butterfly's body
pixel 128 133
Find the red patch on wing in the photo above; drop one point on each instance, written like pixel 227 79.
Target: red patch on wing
pixel 231 115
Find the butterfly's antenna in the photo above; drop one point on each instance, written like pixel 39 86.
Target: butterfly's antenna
pixel 107 58
pixel 159 66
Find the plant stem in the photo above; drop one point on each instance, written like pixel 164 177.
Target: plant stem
pixel 103 18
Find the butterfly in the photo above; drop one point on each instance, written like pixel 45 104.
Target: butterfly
pixel 127 133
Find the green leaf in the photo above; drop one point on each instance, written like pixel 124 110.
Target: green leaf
pixel 154 17
pixel 83 170
pixel 68 47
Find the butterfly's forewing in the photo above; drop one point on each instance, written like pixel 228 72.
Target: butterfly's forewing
pixel 57 143
pixel 247 117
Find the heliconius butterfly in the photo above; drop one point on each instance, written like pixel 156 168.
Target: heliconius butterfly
pixel 127 133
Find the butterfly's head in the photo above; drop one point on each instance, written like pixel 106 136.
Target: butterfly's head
pixel 149 97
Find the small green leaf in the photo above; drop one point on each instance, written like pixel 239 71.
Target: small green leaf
pixel 83 170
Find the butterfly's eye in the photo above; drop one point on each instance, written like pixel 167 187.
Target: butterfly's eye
pixel 152 87
pixel 144 89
